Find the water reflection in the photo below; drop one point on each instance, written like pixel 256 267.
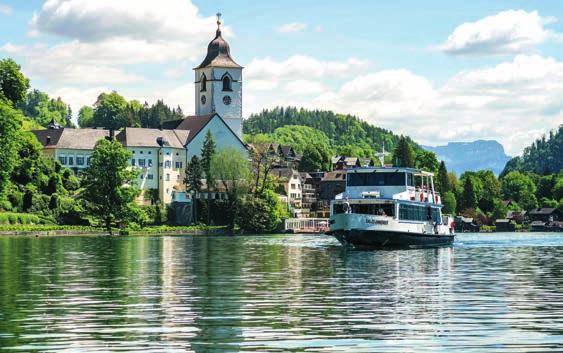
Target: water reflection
pixel 280 293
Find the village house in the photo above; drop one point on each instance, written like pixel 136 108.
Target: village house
pixel 161 155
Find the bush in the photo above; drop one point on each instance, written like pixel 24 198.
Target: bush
pixel 10 218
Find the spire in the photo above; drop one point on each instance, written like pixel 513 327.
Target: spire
pixel 218 23
pixel 218 51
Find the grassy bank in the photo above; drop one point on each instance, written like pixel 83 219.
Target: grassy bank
pixel 47 229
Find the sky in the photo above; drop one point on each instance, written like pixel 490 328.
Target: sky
pixel 438 71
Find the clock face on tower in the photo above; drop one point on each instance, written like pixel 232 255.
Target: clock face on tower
pixel 227 100
pixel 203 99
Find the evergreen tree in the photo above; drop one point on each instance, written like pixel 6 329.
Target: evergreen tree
pixel 194 174
pixel 207 153
pixel 443 180
pixel 403 155
pixel 469 196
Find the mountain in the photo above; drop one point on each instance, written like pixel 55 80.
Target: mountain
pixel 543 156
pixel 346 134
pixel 476 155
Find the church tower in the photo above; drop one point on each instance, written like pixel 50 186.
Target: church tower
pixel 218 83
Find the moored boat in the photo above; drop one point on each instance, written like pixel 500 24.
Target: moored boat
pixel 390 207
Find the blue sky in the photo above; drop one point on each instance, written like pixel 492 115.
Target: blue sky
pixel 438 71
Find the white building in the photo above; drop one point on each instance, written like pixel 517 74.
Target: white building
pixel 162 154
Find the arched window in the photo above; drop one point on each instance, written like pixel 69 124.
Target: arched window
pixel 203 83
pixel 227 83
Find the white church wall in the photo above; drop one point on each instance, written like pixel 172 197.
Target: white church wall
pixel 222 136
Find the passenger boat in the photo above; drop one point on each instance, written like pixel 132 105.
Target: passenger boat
pixel 386 207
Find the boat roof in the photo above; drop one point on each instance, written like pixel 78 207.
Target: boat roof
pixel 415 171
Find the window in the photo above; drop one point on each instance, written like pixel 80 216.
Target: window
pixel 142 176
pixel 179 165
pixel 292 186
pixel 141 162
pixel 203 83
pixel 80 160
pixel 178 177
pixel 133 162
pixel 418 213
pixel 62 159
pixel 227 83
pixel 150 162
pixel 410 179
pixel 150 152
pixel 150 176
pixel 70 160
pixel 376 179
pixel 167 164
pixel 167 177
pixel 88 160
pixel 141 152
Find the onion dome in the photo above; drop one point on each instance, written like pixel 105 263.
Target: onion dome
pixel 218 51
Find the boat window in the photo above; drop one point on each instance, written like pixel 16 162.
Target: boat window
pixel 418 213
pixel 374 209
pixel 376 179
pixel 338 208
pixel 410 179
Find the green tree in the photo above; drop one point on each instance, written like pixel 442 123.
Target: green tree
pixel 427 161
pixel 110 111
pixel 557 190
pixel 261 213
pixel 316 157
pixel 194 174
pixel 449 202
pixel 109 184
pixel 230 167
pixel 13 84
pixel 403 156
pixel 499 210
pixel 491 190
pixel 207 153
pixel 520 188
pixel 469 195
pixel 86 117
pixel 443 184
pixel 10 128
pixel 41 108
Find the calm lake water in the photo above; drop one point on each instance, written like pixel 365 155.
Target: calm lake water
pixel 291 293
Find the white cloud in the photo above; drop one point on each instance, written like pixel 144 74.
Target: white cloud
pixel 5 10
pixel 508 32
pixel 292 27
pixel 103 38
pixel 299 67
pixel 513 102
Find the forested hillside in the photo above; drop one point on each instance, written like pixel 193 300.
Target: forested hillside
pixel 544 156
pixel 346 134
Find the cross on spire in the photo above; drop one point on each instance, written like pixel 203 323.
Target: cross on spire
pixel 218 19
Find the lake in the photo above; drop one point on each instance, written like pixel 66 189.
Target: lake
pixel 290 293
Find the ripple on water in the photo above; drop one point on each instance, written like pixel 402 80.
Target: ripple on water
pixel 489 292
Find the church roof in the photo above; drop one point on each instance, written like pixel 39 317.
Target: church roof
pixel 218 53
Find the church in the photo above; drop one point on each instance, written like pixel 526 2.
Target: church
pixel 161 155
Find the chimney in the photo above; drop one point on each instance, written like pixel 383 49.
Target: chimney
pixel 48 140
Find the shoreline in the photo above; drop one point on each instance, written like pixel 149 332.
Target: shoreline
pixel 78 231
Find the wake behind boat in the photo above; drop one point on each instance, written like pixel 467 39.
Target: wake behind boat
pixel 390 208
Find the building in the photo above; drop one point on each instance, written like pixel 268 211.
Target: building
pixel 343 162
pixel 332 184
pixel 161 155
pixel 505 225
pixel 290 186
